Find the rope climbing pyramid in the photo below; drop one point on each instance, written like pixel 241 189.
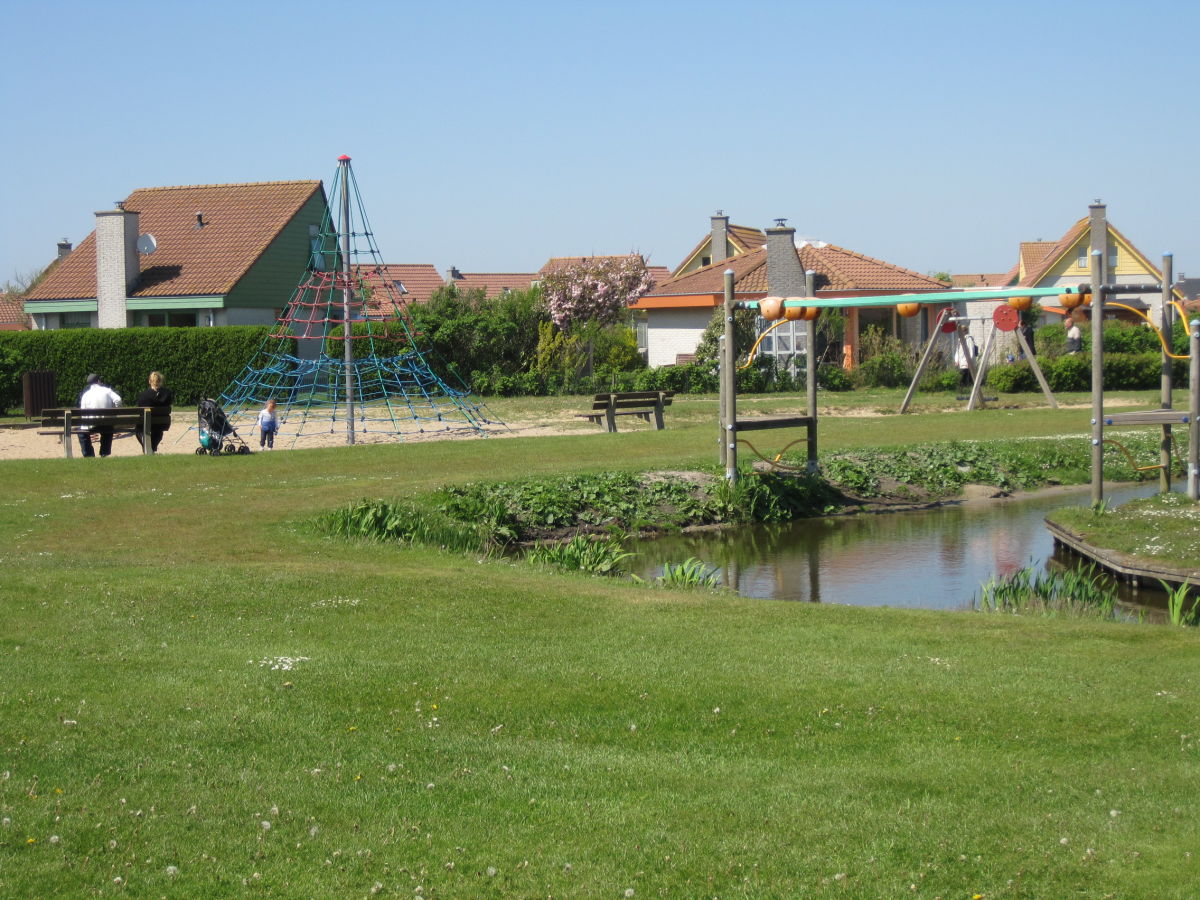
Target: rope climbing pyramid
pixel 343 356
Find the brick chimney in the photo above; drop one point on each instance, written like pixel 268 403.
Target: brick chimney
pixel 719 245
pixel 117 264
pixel 64 248
pixel 785 275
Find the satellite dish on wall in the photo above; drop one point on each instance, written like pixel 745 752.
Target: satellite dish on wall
pixel 147 244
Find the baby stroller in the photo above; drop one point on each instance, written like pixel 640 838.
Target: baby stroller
pixel 216 432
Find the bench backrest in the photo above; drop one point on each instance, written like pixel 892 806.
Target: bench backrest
pixel 121 416
pixel 632 399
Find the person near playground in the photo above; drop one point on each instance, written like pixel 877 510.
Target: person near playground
pixel 1027 333
pixel 97 395
pixel 961 350
pixel 1074 336
pixel 156 396
pixel 268 424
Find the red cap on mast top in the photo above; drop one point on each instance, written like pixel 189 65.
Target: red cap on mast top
pixel 343 158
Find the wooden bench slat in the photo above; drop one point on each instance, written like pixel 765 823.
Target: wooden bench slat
pixel 642 404
pixel 74 420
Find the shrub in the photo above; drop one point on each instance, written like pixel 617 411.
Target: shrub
pixel 945 380
pixel 1013 378
pixel 833 377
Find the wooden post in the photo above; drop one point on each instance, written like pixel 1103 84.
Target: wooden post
pixel 1037 370
pixel 810 373
pixel 1164 451
pixel 979 373
pixel 68 449
pixel 721 413
pixel 1194 411
pixel 1097 378
pixel 925 356
pixel 729 384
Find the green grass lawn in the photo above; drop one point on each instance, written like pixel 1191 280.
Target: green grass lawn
pixel 201 696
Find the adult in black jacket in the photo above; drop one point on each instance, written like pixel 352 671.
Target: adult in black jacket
pixel 156 395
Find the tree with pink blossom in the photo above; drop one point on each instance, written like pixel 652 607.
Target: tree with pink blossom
pixel 595 290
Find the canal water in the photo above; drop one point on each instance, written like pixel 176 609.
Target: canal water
pixel 925 559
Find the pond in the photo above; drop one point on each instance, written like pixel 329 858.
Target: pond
pixel 924 559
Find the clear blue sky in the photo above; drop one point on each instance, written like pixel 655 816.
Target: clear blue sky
pixel 491 136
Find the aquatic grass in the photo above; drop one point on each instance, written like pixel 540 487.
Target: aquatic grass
pixel 582 553
pixel 1177 598
pixel 1078 593
pixel 691 573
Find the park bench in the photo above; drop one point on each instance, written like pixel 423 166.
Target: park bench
pixel 643 404
pixel 123 419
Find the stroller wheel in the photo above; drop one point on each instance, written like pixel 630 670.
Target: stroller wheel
pixel 229 448
pixel 243 451
pixel 200 451
pixel 214 451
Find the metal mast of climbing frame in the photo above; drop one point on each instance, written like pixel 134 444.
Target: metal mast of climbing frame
pixel 347 298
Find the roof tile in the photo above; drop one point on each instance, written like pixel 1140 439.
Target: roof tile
pixel 241 221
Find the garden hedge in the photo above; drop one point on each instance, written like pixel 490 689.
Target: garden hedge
pixel 196 362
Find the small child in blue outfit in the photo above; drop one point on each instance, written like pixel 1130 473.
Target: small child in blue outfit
pixel 268 424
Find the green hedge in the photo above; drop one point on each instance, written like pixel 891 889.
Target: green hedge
pixel 1122 372
pixel 196 362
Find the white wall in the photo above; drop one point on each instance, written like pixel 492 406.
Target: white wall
pixel 673 331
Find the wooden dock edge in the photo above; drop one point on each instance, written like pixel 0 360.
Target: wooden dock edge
pixel 1121 565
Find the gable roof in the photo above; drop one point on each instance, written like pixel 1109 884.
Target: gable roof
pixel 241 220
pixel 1080 230
pixel 986 279
pixel 838 270
pixel 743 238
pixel 493 284
pixel 419 281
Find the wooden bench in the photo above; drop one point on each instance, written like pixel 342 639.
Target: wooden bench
pixel 124 419
pixel 643 404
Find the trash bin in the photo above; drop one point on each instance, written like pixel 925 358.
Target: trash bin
pixel 38 389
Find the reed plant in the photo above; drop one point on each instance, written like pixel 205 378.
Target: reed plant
pixel 1075 593
pixel 691 573
pixel 1177 597
pixel 581 553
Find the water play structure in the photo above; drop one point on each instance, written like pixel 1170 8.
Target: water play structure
pixel 343 356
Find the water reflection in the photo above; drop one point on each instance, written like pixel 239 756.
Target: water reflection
pixel 927 559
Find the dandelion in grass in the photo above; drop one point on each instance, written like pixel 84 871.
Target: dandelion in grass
pixel 172 871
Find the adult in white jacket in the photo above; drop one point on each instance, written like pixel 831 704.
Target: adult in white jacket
pixel 97 396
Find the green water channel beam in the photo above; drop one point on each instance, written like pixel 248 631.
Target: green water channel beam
pixel 938 297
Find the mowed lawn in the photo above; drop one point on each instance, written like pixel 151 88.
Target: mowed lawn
pixel 202 696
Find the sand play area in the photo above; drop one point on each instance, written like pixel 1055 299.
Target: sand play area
pixel 26 443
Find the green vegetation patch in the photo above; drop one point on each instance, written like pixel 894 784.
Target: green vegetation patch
pixel 941 469
pixel 1165 527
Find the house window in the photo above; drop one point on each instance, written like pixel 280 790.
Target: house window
pixel 642 327
pixel 76 320
pixel 171 320
pixel 1083 256
pixel 705 261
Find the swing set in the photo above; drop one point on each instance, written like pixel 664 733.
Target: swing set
pixel 1004 319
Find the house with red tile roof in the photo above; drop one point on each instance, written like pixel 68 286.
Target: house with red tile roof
pixel 1067 263
pixel 12 313
pixel 216 254
pixel 493 284
pixel 674 314
pixel 397 284
pixel 496 283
